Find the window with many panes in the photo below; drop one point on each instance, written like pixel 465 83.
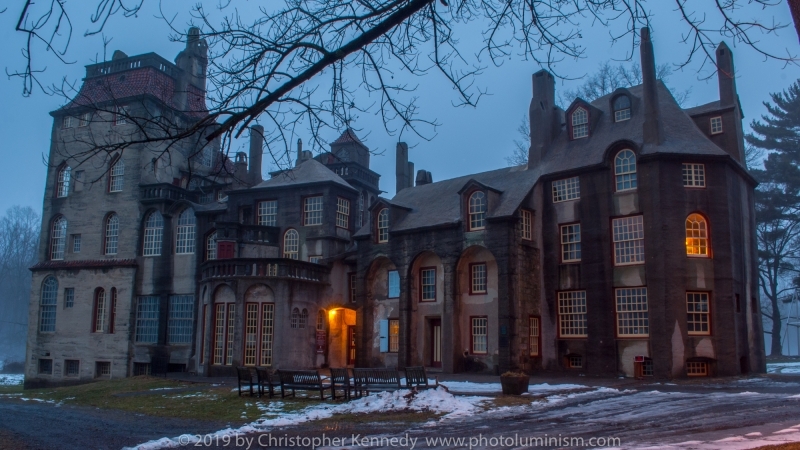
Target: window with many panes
pixel 571 242
pixel 696 369
pixel 533 336
pixel 694 175
pixel 72 367
pixel 85 118
pixel 394 335
pixel 696 236
pixel 360 216
pixel 312 211
pixel 62 184
pixel 117 176
pixel 352 284
pixel 480 335
pixel 383 225
pixel 211 246
pixel 477 211
pixel 45 366
pixel 147 320
pixel 230 328
pixel 580 123
pixel 99 321
pixel 58 238
pixel 566 189
pixel 477 278
pixel 342 213
pixel 393 284
pixel 427 278
pixel 268 213
pixel 628 236
pixel 250 333
pixel 68 122
pixel 575 361
pixel 69 297
pixel 112 234
pixel 102 369
pixel 625 170
pixel 76 243
pixel 291 244
pixel 632 312
pixel 267 328
pixel 299 318
pixel 697 313
pixel 218 347
pixel 572 314
pixel 622 108
pixel 716 125
pixel 48 305
pixel 153 232
pixel 181 318
pixel 526 224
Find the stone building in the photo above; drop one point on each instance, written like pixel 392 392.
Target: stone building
pixel 625 246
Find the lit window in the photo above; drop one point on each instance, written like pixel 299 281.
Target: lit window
pixel 342 213
pixel 394 335
pixel 526 224
pixel 572 314
pixel 211 246
pixel 312 209
pixel 716 125
pixel 121 117
pixel 147 320
pixel 625 170
pixel 697 313
pixel 696 236
pixel 694 175
pixel 477 283
pixel 47 306
pixel 622 108
pixel 268 213
pixel 632 314
pixel 533 336
pixel 571 242
pixel 580 123
pixel 267 328
pixel 628 234
pixel 112 234
pixel 117 176
pixel 186 232
pixel 566 189
pixel 477 211
pixel 181 319
pixel 99 322
pixel 153 232
pixel 480 335
pixel 696 369
pixel 85 118
pixel 58 238
pixel 62 185
pixel 76 243
pixel 393 280
pixel 383 225
pixel 291 244
pixel 428 285
pixel 69 297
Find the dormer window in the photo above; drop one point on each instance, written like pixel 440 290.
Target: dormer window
pixel 383 225
pixel 622 108
pixel 580 123
pixel 477 211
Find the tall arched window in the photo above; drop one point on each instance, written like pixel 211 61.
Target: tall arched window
pixel 117 176
pixel 112 234
pixel 303 318
pixel 211 246
pixel 697 236
pixel 625 170
pixel 185 234
pixel 58 238
pixel 321 317
pixel 622 108
pixel 99 319
pixel 62 183
pixel 477 211
pixel 47 305
pixel 383 225
pixel 291 244
pixel 295 322
pixel 580 123
pixel 153 231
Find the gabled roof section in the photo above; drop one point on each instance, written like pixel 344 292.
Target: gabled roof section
pixel 309 171
pixel 348 137
pixel 472 183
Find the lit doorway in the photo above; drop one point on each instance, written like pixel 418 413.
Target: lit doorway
pixel 436 342
pixel 341 335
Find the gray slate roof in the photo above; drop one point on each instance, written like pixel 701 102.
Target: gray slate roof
pixel 309 171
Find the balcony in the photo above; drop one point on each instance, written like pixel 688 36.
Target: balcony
pixel 165 191
pixel 279 268
pixel 130 63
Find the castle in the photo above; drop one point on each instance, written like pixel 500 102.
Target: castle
pixel 626 245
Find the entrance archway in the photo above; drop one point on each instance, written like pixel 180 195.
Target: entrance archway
pixel 342 338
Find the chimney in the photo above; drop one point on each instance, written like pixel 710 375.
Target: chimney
pixel 726 76
pixel 192 62
pixel 543 119
pixel 424 177
pixel 651 131
pixel 240 170
pixel 401 167
pixel 299 152
pixel 256 152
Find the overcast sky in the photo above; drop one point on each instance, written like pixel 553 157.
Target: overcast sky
pixel 469 140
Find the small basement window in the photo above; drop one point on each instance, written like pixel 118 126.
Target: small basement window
pixel 697 369
pixel 575 361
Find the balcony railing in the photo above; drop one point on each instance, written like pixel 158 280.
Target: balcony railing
pixel 131 62
pixel 165 191
pixel 264 268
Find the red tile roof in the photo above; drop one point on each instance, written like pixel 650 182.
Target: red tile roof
pixel 84 264
pixel 348 137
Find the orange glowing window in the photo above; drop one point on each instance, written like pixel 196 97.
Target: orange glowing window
pixel 696 236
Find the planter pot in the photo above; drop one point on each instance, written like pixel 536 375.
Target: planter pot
pixel 514 385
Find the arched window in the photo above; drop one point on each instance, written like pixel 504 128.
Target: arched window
pixel 580 123
pixel 153 231
pixel 184 243
pixel 321 316
pixel 112 234
pixel 62 184
pixel 117 176
pixel 211 246
pixel 295 322
pixel 47 305
pixel 383 225
pixel 303 318
pixel 477 210
pixel 696 236
pixel 99 319
pixel 625 170
pixel 112 316
pixel 622 108
pixel 291 244
pixel 58 238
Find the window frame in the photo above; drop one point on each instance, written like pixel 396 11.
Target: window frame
pixel 571 190
pixel 472 267
pixel 382 232
pixel 50 309
pixel 84 119
pixel 389 283
pixel 394 344
pixel 472 335
pixel 342 213
pixel 116 175
pixel 422 298
pixel 156 237
pixel 142 323
pixel 617 314
pixel 614 242
pixel 526 224
pixel 99 311
pixel 267 214
pixel 112 311
pixel 585 124
pixel 180 319
pixel 58 244
pixel 632 176
pixel 560 314
pixel 296 251
pixel 63 181
pixel 111 241
pixel 694 179
pixel 565 245
pixel 211 245
pixel 714 130
pixel 694 372
pixel 707 238
pixel 69 297
pixel 76 243
pixel 478 217
pixel 186 233
pixel 67 121
pixel 352 277
pixel 617 115
pixel 537 336
pixel 707 314
pixel 320 198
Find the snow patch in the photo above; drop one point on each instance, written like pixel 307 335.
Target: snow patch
pixel 14 379
pixel 470 387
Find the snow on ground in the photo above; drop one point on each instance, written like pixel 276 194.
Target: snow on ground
pixel 748 441
pixel 13 379
pixel 784 367
pixel 469 387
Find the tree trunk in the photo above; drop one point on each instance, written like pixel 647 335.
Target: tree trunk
pixel 776 349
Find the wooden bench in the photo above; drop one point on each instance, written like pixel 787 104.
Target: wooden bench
pixel 245 377
pixel 306 380
pixel 267 381
pixel 417 378
pixel 340 379
pixel 383 379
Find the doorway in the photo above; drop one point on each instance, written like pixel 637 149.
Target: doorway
pixel 436 342
pixel 351 345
